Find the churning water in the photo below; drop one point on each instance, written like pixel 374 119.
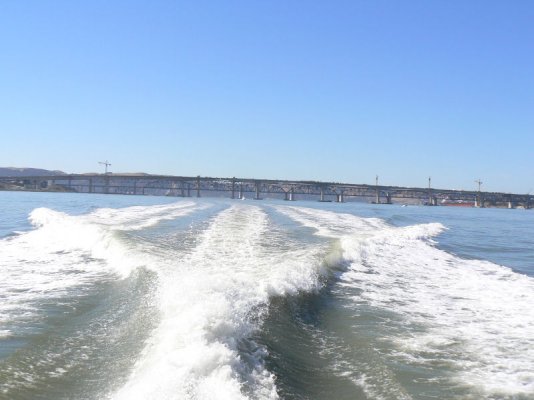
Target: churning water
pixel 110 297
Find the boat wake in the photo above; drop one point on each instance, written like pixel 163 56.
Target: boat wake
pixel 212 302
pixel 384 312
pixel 470 318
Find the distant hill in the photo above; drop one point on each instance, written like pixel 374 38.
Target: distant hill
pixel 10 171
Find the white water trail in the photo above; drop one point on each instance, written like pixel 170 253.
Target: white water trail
pixel 141 217
pixel 211 302
pixel 65 252
pixel 472 316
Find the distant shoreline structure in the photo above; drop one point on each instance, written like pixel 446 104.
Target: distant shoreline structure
pixel 181 186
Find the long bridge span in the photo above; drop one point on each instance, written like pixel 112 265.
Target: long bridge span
pixel 238 188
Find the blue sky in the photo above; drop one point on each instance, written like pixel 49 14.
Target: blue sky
pixel 334 91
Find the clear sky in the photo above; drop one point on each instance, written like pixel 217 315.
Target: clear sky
pixel 324 90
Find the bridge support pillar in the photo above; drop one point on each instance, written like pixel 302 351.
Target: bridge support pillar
pixel 388 198
pixel 340 198
pixel 292 195
pixel 510 204
pixel 286 196
pixel 233 187
pixel 322 194
pixel 90 185
pixel 198 186
pixel 241 190
pixel 257 191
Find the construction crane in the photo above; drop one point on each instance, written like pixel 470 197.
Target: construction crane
pixel 479 184
pixel 106 164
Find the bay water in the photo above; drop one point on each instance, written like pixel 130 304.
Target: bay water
pixel 132 297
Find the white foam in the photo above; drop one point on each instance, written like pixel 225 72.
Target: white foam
pixel 140 217
pixel 475 316
pixel 66 251
pixel 211 302
pixel 384 390
pixel 330 224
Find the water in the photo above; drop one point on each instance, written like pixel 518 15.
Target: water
pixel 126 297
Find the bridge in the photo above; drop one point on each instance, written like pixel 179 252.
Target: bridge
pixel 239 188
